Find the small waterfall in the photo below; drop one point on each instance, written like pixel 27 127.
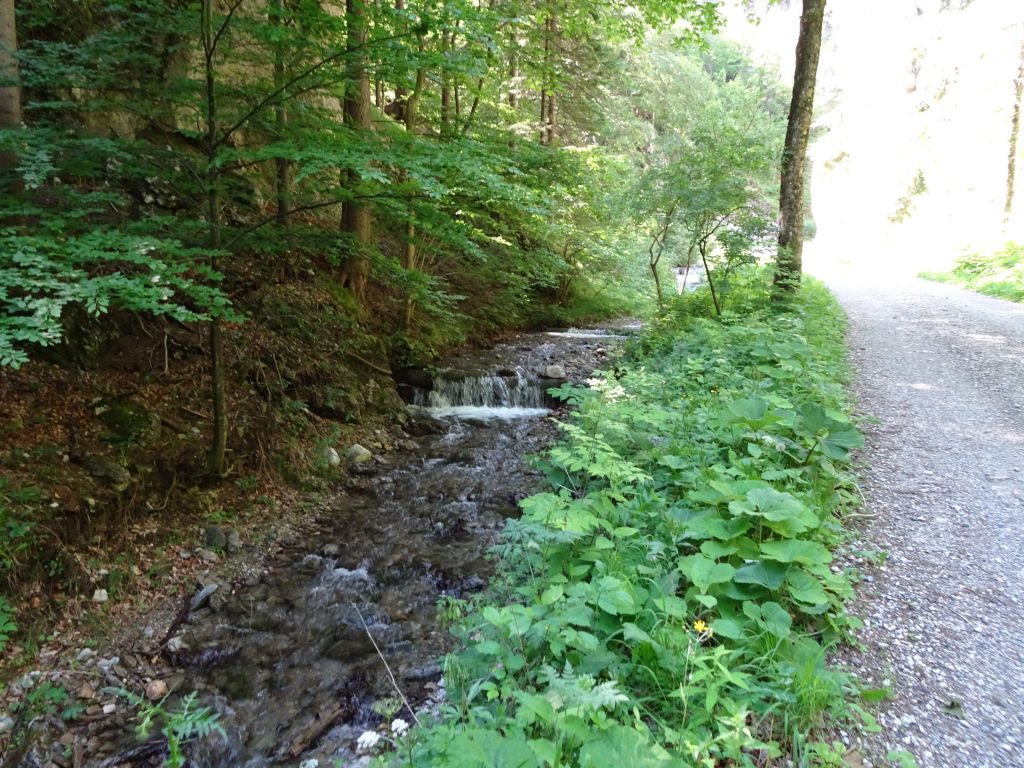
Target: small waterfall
pixel 511 396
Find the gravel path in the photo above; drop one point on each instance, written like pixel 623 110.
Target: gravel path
pixel 942 371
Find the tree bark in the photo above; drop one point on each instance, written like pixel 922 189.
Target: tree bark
pixel 1011 164
pixel 409 255
pixel 282 180
pixel 789 260
pixel 10 95
pixel 217 457
pixel 545 79
pixel 447 91
pixel 401 92
pixel 355 217
pixel 513 70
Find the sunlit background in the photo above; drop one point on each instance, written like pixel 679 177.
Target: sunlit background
pixel 914 108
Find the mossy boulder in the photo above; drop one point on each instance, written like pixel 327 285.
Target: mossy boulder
pixel 126 420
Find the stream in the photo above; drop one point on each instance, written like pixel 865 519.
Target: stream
pixel 290 662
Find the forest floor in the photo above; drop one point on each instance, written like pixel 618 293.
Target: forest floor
pixel 938 386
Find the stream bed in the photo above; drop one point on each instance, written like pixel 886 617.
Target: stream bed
pixel 292 662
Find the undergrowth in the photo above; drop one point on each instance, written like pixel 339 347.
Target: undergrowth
pixel 671 599
pixel 999 273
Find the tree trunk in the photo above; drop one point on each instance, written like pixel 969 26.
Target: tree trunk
pixel 552 127
pixel 409 256
pixel 10 96
pixel 355 217
pixel 657 248
pixel 513 71
pixel 789 260
pixel 447 92
pixel 545 79
pixel 401 92
pixel 282 180
pixel 1011 165
pixel 543 115
pixel 217 458
pixel 552 112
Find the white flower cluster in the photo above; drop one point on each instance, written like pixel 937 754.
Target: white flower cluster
pixel 612 392
pixel 399 727
pixel 367 741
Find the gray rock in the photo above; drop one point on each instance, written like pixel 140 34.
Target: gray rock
pixel 207 555
pixel 331 457
pixel 357 454
pixel 100 596
pixel 202 596
pixel 6 724
pixel 234 541
pixel 553 372
pixel 330 550
pixel 215 537
pixel 107 470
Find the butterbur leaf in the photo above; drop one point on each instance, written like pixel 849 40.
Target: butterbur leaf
pixel 782 512
pixel 838 443
pixel 766 573
pixel 804 588
pixel 770 616
pixel 752 409
pixel 671 605
pixel 729 628
pixel 715 549
pixel 796 551
pixel 703 572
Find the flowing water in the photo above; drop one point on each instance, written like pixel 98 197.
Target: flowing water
pixel 292 662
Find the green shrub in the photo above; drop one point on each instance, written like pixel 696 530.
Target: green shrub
pixel 998 273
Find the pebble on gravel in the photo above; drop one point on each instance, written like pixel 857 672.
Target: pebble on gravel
pixel 156 690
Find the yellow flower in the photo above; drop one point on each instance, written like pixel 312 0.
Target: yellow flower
pixel 700 626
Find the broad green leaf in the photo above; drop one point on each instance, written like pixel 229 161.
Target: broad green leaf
pixel 804 588
pixel 729 628
pixel 766 573
pixel 796 551
pixel 704 572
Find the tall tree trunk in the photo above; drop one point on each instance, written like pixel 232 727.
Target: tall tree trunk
pixel 548 105
pixel 552 115
pixel 282 180
pixel 355 217
pixel 10 95
pixel 401 92
pixel 1011 164
pixel 789 260
pixel 513 70
pixel 552 127
pixel 447 91
pixel 217 458
pixel 543 115
pixel 545 79
pixel 409 255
